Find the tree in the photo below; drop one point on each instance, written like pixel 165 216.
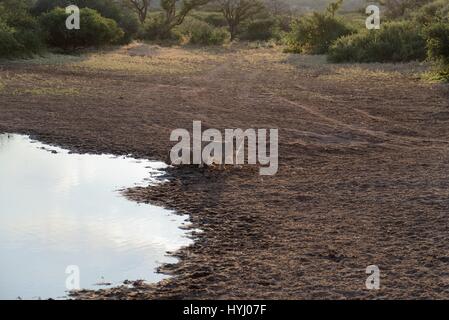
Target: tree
pixel 397 8
pixel 20 34
pixel 141 7
pixel 277 7
pixel 175 14
pixel 333 7
pixel 15 11
pixel 237 11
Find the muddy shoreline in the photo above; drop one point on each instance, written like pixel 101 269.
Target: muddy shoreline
pixel 362 180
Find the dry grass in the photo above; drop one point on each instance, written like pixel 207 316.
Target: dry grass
pixel 137 58
pixel 146 59
pixel 48 91
pixel 351 73
pixel 354 72
pixel 37 84
pixel 50 59
pixel 171 61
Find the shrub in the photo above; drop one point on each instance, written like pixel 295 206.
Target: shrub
pixel 156 29
pixel 313 34
pixel 124 17
pixel 215 19
pixel 9 46
pixel 95 30
pixel 394 42
pixel 31 42
pixel 396 9
pixel 20 34
pixel 438 42
pixel 152 28
pixel 130 26
pixel 438 48
pixel 285 23
pixel 200 32
pixel 209 36
pixel 18 44
pixel 263 29
pixel 436 11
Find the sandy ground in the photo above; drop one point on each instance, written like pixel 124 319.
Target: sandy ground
pixel 363 176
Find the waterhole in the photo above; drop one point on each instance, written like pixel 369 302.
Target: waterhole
pixel 59 209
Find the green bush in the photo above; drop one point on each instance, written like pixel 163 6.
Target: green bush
pixel 125 18
pixel 209 36
pixel 31 41
pixel 130 26
pixel 438 42
pixel 20 34
pixel 199 32
pixel 9 46
pixel 394 42
pixel 436 11
pixel 155 29
pixel 314 34
pixel 95 30
pixel 438 48
pixel 152 28
pixel 285 23
pixel 215 19
pixel 262 30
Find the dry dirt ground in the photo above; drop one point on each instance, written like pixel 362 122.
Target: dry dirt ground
pixel 363 176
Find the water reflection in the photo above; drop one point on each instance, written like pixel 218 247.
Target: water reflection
pixel 59 209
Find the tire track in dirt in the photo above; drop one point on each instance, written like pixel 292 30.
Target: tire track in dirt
pixel 393 140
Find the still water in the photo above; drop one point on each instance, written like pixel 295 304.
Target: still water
pixel 59 209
